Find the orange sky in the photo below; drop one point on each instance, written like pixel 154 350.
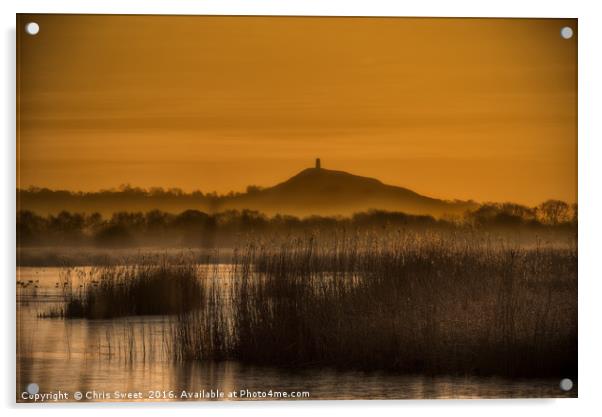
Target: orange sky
pixel 453 108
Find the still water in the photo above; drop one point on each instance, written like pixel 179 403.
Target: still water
pixel 108 360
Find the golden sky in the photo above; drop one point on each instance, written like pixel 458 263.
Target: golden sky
pixel 482 109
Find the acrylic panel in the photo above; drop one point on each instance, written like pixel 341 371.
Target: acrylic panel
pixel 295 208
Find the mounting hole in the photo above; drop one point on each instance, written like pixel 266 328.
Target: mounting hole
pixel 566 384
pixel 566 32
pixel 32 28
pixel 33 388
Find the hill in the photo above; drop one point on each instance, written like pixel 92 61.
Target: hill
pixel 328 192
pixel 312 191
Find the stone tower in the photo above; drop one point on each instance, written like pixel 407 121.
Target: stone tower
pixel 318 163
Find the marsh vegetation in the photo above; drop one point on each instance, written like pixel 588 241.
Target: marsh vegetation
pixel 404 302
pixel 145 288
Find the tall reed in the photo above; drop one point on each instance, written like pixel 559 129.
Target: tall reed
pixel 147 288
pixel 405 303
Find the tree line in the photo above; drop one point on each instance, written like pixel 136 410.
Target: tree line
pixel 199 229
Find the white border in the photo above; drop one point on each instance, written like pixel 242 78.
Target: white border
pixel 590 179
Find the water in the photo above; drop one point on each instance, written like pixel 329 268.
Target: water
pixel 107 359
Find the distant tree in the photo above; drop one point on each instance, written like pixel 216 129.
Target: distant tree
pixel 252 220
pixel 176 191
pixel 30 227
pixel 68 226
pixel 482 215
pixel 114 235
pixel 517 210
pixel 156 221
pixel 253 189
pixel 501 214
pixel 93 223
pixel 129 221
pixel 553 212
pixel 156 191
pixel 195 227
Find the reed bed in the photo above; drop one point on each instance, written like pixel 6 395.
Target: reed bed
pixel 406 303
pixel 148 288
pixel 452 303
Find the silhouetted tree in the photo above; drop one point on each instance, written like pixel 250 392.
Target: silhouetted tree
pixel 114 235
pixel 553 212
pixel 253 189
